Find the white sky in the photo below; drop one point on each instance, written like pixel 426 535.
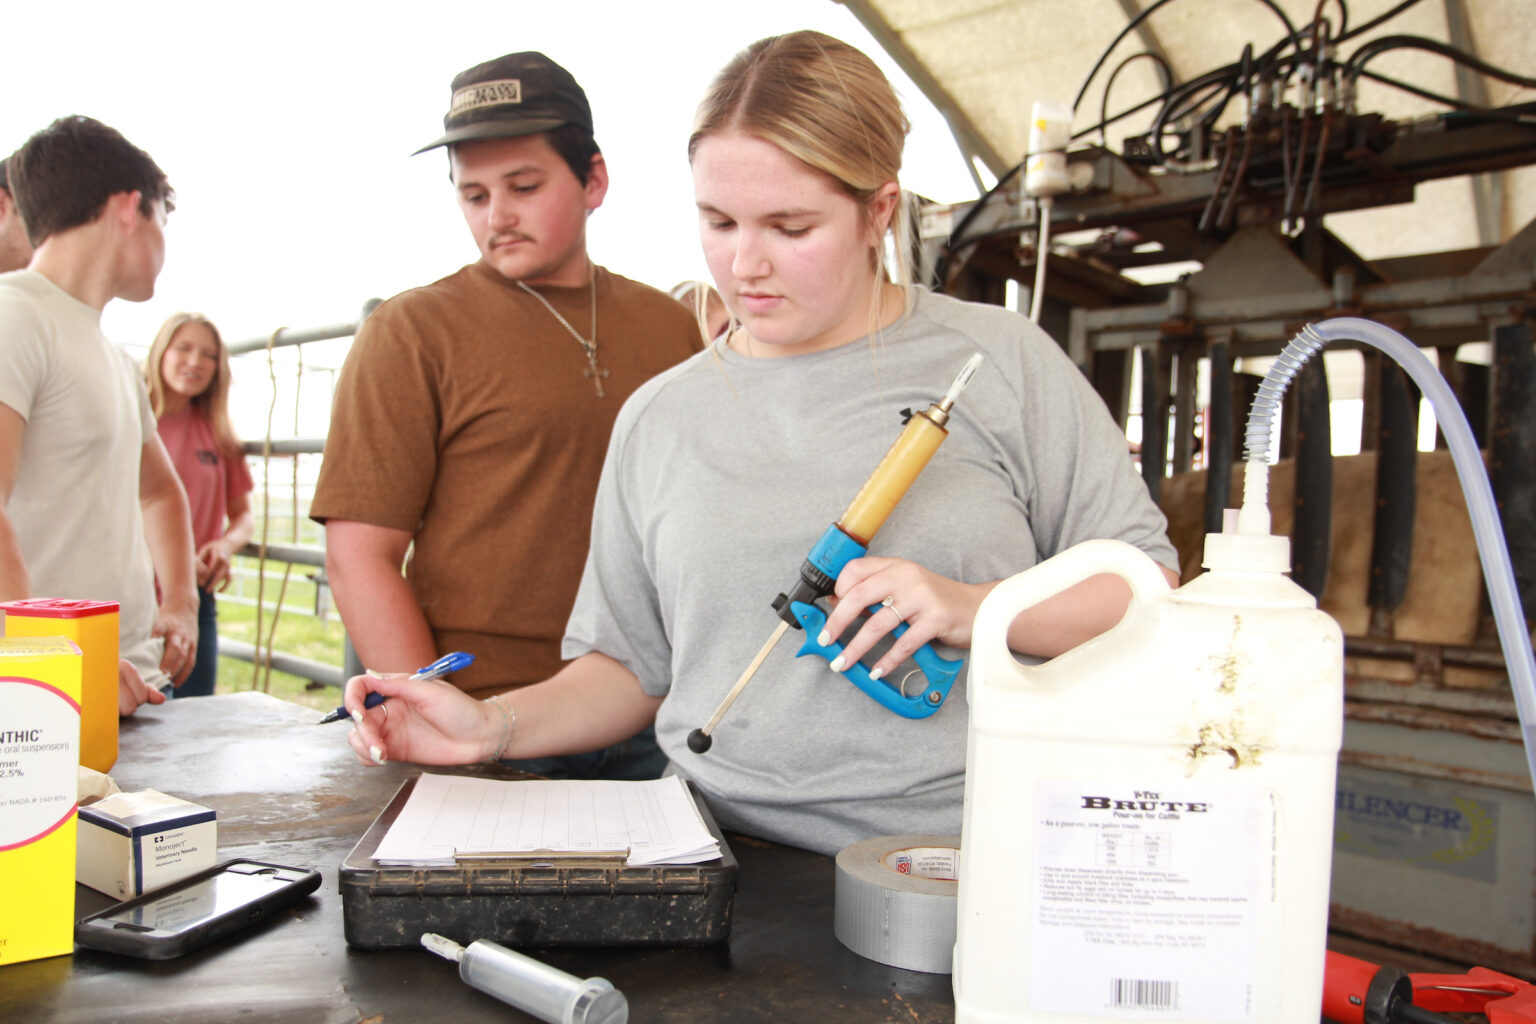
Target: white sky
pixel 286 129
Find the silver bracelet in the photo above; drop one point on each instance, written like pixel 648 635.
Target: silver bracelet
pixel 508 722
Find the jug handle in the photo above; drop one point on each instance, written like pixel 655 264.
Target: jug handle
pixel 1018 593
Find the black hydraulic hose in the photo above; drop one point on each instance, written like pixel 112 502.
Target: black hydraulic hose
pixel 1384 16
pixel 1237 83
pixel 1138 108
pixel 1229 145
pixel 1368 50
pixel 1317 15
pixel 1129 27
pixel 1309 204
pixel 1212 79
pixel 1293 175
pixel 1185 100
pixel 957 236
pixel 1267 63
pixel 957 239
pixel 1237 179
pixel 1231 77
pixel 1285 153
pixel 1157 59
pixel 1301 165
pixel 1210 83
pixel 1290 33
pixel 1433 97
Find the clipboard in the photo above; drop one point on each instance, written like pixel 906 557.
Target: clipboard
pixel 542 900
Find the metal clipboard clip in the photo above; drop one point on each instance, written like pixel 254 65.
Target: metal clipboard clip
pixel 543 858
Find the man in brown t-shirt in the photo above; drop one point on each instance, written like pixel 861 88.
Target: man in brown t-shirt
pixel 472 415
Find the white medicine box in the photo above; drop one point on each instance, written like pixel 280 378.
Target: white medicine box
pixel 133 843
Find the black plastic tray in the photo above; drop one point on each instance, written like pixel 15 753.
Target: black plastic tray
pixel 565 902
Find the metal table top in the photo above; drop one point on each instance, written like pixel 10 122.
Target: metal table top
pixel 289 792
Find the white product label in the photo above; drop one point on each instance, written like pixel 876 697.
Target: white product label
pixel 938 862
pixel 39 751
pixel 1147 902
pixel 170 856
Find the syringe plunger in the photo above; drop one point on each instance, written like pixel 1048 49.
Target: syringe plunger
pixel 537 988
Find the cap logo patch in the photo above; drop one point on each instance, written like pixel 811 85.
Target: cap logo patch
pixel 486 94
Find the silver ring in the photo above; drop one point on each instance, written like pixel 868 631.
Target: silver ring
pixel 890 602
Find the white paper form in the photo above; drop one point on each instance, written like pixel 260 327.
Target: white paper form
pixel 655 821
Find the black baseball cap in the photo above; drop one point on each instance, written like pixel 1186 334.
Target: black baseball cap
pixel 519 94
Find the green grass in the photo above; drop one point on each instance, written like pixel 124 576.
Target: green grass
pixel 300 634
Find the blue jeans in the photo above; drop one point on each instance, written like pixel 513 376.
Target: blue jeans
pixel 636 758
pixel 206 668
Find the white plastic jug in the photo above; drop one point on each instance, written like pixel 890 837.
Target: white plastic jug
pixel 1148 817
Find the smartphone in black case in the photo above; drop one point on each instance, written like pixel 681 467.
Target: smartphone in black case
pixel 196 910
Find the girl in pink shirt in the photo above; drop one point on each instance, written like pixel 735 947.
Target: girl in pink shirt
pixel 187 373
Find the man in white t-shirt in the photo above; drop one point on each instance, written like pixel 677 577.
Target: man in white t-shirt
pixel 15 249
pixel 90 505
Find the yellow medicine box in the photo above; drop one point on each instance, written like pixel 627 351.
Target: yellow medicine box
pixel 93 626
pixel 39 792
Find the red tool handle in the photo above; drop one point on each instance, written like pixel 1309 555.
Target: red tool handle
pixel 1504 999
pixel 1357 992
pixel 1346 986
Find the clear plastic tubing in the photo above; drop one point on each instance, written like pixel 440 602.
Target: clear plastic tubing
pixel 1491 547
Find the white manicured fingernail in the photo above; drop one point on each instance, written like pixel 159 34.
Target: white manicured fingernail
pixel 824 638
pixel 837 662
pixel 377 754
pixel 875 674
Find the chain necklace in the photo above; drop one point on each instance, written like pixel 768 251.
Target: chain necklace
pixel 588 347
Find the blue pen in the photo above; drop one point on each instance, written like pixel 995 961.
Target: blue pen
pixel 439 668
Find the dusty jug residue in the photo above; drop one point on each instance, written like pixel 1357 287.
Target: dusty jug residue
pixel 1148 817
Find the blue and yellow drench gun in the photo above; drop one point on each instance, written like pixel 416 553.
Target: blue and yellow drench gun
pixel 845 540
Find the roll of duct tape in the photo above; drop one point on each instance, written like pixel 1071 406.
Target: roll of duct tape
pixel 896 900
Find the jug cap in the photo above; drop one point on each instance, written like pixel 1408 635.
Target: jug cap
pixel 1247 552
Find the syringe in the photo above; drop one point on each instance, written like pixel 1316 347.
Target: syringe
pixel 848 538
pixel 547 992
